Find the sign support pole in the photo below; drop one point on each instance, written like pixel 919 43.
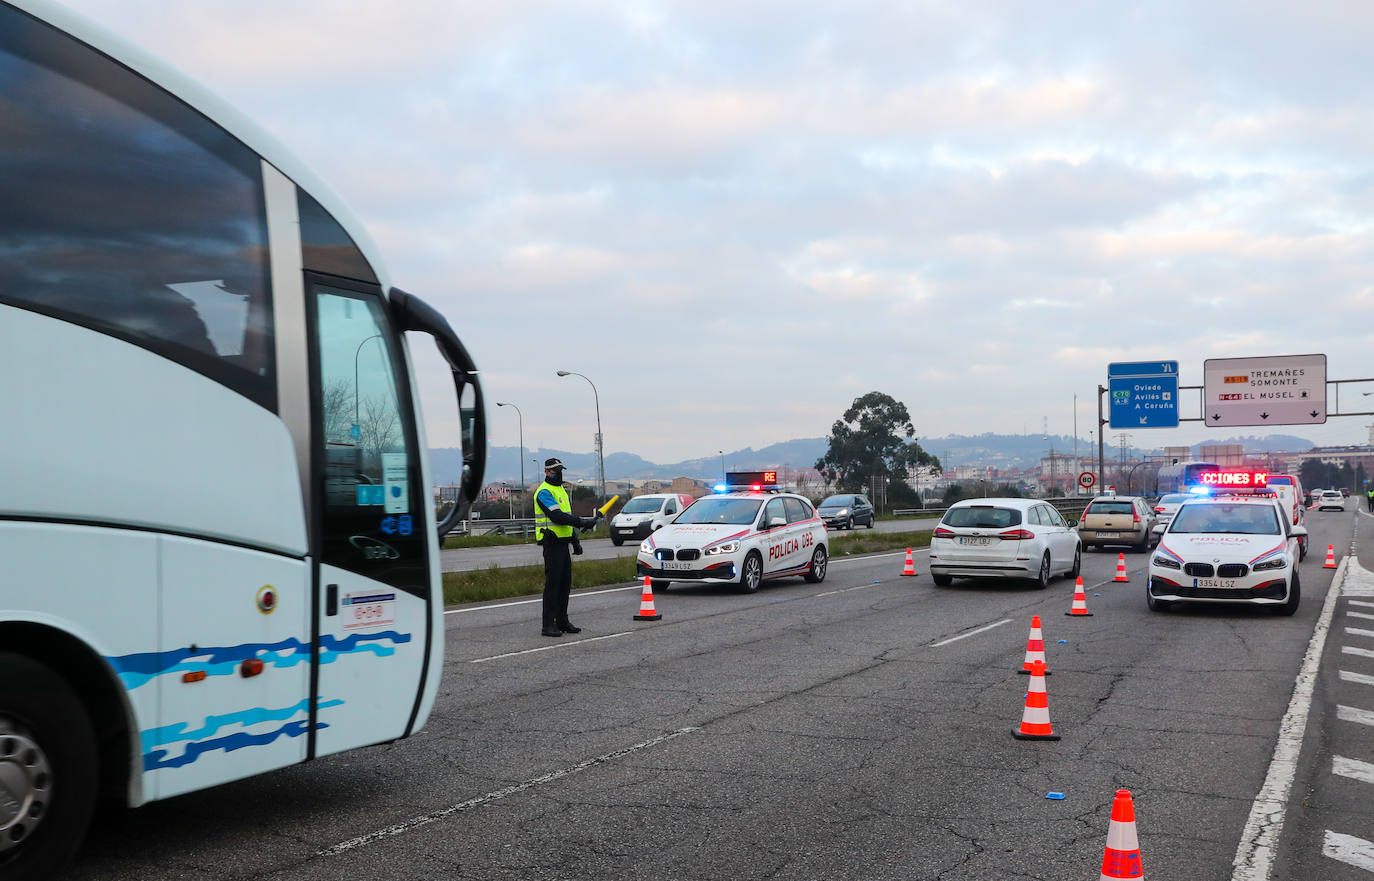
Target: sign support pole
pixel 1101 472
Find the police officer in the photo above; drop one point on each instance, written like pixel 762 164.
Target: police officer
pixel 555 528
pixel 1370 493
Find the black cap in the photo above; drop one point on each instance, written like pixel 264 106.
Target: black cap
pixel 553 463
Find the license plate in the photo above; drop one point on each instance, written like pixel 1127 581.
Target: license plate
pixel 625 531
pixel 975 542
pixel 1107 535
pixel 676 565
pixel 1226 583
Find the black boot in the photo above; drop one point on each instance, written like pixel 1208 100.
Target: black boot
pixel 569 627
pixel 550 630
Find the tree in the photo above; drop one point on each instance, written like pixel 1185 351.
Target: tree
pixel 873 439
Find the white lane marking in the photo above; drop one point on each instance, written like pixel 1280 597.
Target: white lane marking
pixel 1358 678
pixel 1363 615
pixel 592 593
pixel 1349 850
pixel 936 645
pixel 480 800
pixel 540 599
pixel 544 648
pixel 829 593
pixel 1361 603
pixel 1354 714
pixel 1260 839
pixel 1358 632
pixel 1351 650
pixel 1353 768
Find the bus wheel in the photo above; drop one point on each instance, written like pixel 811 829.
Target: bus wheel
pixel 48 770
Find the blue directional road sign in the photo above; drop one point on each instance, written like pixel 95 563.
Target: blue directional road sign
pixel 1144 394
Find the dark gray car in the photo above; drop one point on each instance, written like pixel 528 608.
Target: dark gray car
pixel 846 510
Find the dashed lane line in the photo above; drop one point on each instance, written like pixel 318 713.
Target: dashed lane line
pixel 1260 839
pixel 1349 850
pixel 1358 678
pixel 1353 768
pixel 975 632
pixel 545 648
pixel 426 819
pixel 1354 714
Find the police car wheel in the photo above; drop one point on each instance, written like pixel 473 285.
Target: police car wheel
pixel 1294 596
pixel 1154 604
pixel 751 573
pixel 659 584
pixel 1302 549
pixel 816 574
pixel 48 763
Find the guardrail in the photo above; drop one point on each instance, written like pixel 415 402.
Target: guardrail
pixel 1065 505
pixel 519 526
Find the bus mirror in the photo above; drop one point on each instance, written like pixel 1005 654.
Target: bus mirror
pixel 411 313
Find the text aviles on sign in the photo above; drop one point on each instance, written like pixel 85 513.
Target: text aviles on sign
pixel 1283 390
pixel 1236 479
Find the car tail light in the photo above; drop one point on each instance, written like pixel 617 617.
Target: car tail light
pixel 1159 510
pixel 1018 534
pixel 941 532
pixel 1135 515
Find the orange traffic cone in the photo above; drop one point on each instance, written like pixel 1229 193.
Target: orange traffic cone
pixel 909 568
pixel 1122 859
pixel 1121 568
pixel 1080 600
pixel 1035 721
pixel 647 612
pixel 1035 648
pixel 1330 557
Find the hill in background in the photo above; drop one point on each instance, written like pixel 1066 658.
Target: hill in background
pixel 997 450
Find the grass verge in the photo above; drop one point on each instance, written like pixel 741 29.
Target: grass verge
pixel 480 585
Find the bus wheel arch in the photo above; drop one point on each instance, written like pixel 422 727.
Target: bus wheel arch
pixel 101 694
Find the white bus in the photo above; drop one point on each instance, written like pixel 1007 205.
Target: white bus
pixel 1182 477
pixel 220 551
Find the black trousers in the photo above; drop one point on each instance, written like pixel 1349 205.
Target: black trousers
pixel 557 582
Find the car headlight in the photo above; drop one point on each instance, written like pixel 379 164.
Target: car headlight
pixel 1276 563
pixel 646 548
pixel 842 512
pixel 1166 563
pixel 728 547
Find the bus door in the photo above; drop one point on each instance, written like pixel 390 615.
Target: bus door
pixel 370 544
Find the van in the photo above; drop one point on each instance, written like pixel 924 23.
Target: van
pixel 645 514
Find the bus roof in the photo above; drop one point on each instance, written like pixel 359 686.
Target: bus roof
pixel 219 111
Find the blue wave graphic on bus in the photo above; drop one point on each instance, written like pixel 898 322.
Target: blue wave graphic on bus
pixel 141 668
pixel 214 724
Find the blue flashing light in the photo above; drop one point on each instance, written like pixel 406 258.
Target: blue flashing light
pixel 720 487
pixel 1200 490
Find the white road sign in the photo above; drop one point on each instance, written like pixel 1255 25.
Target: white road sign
pixel 1282 390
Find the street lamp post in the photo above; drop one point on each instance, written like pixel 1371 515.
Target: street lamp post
pixel 600 447
pixel 520 421
pixel 722 465
pixel 356 352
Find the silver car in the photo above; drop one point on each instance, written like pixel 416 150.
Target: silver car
pixel 1004 538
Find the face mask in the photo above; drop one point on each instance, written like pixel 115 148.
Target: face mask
pixel 555 477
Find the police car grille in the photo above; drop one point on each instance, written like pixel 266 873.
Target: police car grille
pixel 664 553
pixel 1198 570
pixel 689 554
pixel 1232 570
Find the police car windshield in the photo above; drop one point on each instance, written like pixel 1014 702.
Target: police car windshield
pixel 641 506
pixel 1238 519
pixel 731 511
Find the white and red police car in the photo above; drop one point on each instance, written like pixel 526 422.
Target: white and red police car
pixel 746 533
pixel 1234 544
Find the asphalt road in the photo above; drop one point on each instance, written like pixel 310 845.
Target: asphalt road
pixel 462 559
pixel 856 729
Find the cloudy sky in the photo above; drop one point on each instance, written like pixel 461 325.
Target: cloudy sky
pixel 735 218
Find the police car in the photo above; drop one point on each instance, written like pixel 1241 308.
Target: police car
pixel 746 533
pixel 1232 543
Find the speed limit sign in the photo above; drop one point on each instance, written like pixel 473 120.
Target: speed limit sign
pixel 1086 479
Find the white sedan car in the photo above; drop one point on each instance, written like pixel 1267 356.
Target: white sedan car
pixel 742 537
pixel 1228 549
pixel 1004 538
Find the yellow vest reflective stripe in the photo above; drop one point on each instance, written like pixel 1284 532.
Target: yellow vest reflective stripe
pixel 541 520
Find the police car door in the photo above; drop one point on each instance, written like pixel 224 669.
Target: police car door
pixel 775 553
